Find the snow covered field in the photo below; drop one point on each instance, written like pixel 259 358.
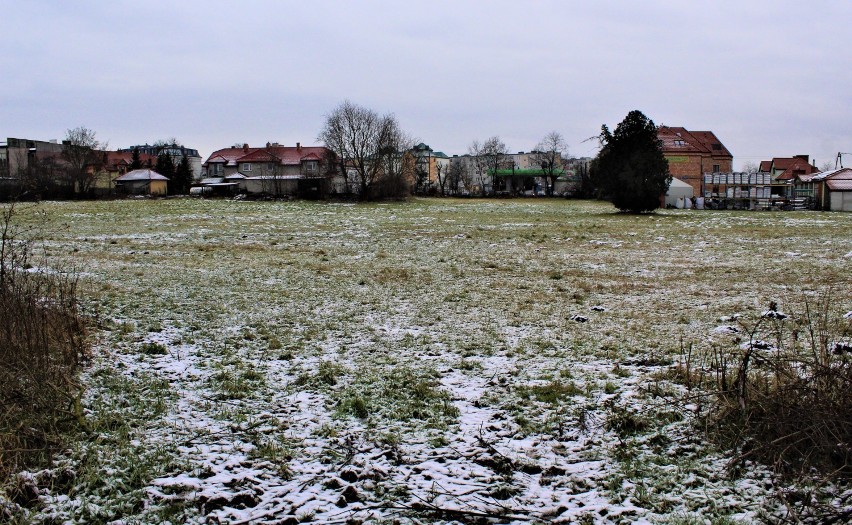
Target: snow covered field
pixel 438 361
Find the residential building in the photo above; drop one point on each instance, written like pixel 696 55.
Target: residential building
pixel 273 169
pixel 788 168
pixel 175 151
pixel 691 154
pixel 429 164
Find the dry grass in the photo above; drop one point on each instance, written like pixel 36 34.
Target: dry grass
pixel 42 340
pixel 784 397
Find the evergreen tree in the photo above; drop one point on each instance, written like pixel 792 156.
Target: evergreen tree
pixel 135 161
pixel 630 169
pixel 183 177
pixel 166 168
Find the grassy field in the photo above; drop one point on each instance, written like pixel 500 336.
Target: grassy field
pixel 437 360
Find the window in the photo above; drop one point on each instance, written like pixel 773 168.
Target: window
pixel 716 168
pixel 311 166
pixel 678 142
pixel 246 167
pixel 217 169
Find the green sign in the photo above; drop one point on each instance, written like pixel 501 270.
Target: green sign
pixel 677 160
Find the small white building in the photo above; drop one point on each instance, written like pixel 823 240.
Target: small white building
pixel 142 182
pixel 678 190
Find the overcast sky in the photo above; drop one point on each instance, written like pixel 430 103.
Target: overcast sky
pixel 770 78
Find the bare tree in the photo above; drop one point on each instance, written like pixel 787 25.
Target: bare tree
pixel 364 141
pixel 397 161
pixel 82 158
pixel 457 177
pixel 478 165
pixel 549 152
pixel 495 155
pixel 751 167
pixel 442 171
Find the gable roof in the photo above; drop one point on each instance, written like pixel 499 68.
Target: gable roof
pixel 287 155
pixel 677 139
pixel 838 174
pixel 791 166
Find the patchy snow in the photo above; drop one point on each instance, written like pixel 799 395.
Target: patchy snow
pixel 424 363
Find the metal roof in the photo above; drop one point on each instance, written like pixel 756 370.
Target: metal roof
pixel 143 174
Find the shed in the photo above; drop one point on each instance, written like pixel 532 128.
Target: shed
pixel 834 189
pixel 840 194
pixel 678 190
pixel 142 182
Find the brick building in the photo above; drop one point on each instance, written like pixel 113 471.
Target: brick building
pixel 691 154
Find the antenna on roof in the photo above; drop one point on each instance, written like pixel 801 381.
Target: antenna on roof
pixel 839 159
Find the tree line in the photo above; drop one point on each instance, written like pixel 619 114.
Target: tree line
pixel 73 171
pixel 374 155
pixel 630 169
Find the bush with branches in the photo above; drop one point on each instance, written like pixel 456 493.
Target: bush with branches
pixel 42 343
pixel 783 397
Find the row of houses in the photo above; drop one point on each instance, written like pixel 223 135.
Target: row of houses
pixel 41 167
pixel 698 160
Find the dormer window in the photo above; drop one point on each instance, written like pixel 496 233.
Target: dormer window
pixel 678 142
pixel 311 166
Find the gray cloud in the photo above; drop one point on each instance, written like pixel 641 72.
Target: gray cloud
pixel 769 77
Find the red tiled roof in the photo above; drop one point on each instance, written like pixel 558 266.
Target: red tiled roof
pixel 125 158
pixel 679 140
pixel 765 166
pixel 287 155
pixel 792 166
pixel 711 142
pixel 259 155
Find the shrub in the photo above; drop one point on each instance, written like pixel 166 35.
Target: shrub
pixel 784 396
pixel 42 343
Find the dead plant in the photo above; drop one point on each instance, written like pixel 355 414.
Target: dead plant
pixel 42 342
pixel 785 395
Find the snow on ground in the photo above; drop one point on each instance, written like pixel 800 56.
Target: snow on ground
pixel 420 362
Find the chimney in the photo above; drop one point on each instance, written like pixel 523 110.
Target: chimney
pixel 245 148
pixel 803 157
pixel 299 146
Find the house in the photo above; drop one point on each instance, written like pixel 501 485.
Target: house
pixel 691 154
pixel 273 169
pixel 115 164
pixel 787 168
pixel 175 151
pixel 142 182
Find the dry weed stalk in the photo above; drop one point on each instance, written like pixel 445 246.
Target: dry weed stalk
pixel 788 402
pixel 42 342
